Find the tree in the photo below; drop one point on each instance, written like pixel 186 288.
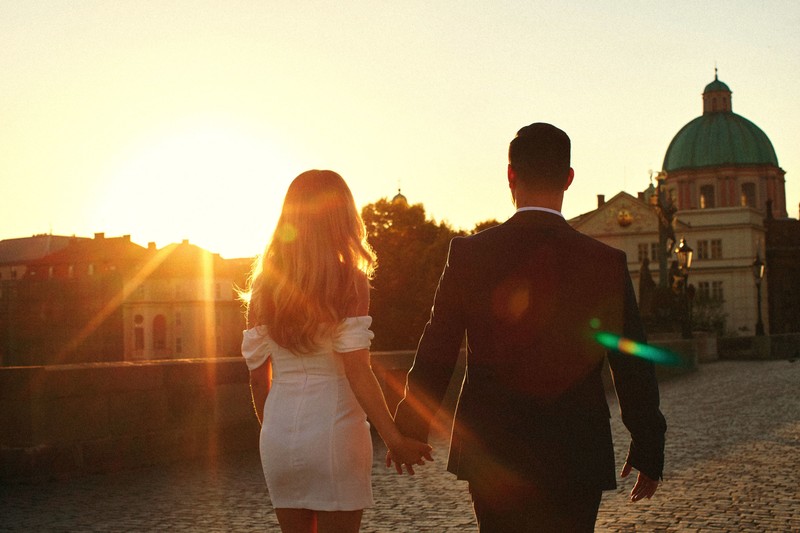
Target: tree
pixel 411 252
pixel 486 224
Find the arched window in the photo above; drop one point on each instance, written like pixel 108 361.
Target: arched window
pixel 706 197
pixel 159 332
pixel 748 194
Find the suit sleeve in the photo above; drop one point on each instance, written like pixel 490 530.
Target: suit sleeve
pixel 437 354
pixel 637 390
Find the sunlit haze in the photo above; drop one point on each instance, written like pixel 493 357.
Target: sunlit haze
pixel 187 120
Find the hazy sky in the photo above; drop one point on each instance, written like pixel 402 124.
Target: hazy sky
pixel 168 120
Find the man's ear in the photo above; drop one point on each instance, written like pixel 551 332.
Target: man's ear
pixel 512 178
pixel 570 177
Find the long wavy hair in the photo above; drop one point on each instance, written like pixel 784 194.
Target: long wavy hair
pixel 308 276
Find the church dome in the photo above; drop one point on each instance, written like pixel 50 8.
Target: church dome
pixel 716 85
pixel 719 137
pixel 399 198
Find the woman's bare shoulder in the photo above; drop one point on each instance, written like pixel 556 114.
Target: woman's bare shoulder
pixel 359 305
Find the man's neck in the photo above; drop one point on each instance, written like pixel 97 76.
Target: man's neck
pixel 546 200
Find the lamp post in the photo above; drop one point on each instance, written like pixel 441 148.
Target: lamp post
pixel 758 275
pixel 685 253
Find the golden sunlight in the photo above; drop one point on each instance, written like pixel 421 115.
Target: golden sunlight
pixel 218 184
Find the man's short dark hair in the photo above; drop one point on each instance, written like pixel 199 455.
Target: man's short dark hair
pixel 539 156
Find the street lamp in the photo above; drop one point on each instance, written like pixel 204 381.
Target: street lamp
pixel 685 253
pixel 758 275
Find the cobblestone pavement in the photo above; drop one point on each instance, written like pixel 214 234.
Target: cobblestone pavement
pixel 733 464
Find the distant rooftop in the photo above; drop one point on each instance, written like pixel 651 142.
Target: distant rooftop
pixel 35 247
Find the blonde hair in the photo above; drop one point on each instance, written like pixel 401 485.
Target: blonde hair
pixel 308 277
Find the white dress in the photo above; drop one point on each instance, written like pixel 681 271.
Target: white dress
pixel 316 448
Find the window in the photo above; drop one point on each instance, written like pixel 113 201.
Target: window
pixel 710 290
pixel 716 248
pixel 642 249
pixel 159 332
pixel 71 271
pixel 90 270
pixel 138 333
pixel 138 339
pixel 716 291
pixel 706 197
pixel 702 250
pixel 50 272
pixel 654 255
pixel 647 250
pixel 703 290
pixel 748 194
pixel 672 194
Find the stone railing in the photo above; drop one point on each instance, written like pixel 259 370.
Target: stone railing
pixel 67 420
pixel 783 346
pixel 64 420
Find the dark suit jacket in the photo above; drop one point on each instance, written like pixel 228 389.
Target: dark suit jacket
pixel 531 295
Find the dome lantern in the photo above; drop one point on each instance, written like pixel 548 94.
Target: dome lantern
pixel 717 97
pixel 400 199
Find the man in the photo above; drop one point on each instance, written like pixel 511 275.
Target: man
pixel 531 433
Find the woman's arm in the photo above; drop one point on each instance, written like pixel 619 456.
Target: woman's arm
pixel 368 392
pixel 365 386
pixel 260 381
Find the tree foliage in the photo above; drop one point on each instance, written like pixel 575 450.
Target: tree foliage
pixel 411 251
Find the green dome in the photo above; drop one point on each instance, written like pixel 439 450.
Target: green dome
pixel 716 85
pixel 716 139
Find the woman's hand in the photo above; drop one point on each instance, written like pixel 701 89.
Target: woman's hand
pixel 409 452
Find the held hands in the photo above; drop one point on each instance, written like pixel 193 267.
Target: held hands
pixel 407 451
pixel 644 487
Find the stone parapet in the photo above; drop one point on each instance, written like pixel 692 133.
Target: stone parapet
pixel 782 346
pixel 65 420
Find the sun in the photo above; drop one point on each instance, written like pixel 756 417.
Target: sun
pixel 218 184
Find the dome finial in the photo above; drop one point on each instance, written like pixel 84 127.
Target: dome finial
pixel 715 71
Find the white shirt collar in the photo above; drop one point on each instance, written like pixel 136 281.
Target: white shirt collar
pixel 536 208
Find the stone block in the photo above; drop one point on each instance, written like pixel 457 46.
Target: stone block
pixel 137 412
pixel 232 404
pixel 16 423
pixel 70 420
pixel 19 382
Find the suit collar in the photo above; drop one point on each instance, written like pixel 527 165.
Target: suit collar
pixel 543 209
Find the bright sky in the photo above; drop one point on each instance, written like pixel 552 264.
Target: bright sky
pixel 177 120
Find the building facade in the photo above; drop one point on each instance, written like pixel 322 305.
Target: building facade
pixel 109 299
pixel 720 181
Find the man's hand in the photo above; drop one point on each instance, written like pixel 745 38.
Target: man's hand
pixel 644 487
pixel 408 452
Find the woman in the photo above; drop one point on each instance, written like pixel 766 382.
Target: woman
pixel 309 325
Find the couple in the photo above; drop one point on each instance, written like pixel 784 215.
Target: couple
pixel 531 433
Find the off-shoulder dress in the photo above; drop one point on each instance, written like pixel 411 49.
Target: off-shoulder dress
pixel 315 444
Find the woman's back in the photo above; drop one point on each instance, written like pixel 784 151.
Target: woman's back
pixel 316 447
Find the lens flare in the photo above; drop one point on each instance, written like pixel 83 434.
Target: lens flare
pixel 287 232
pixel 655 354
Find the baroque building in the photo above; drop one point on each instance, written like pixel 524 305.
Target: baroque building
pixel 109 299
pixel 721 183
